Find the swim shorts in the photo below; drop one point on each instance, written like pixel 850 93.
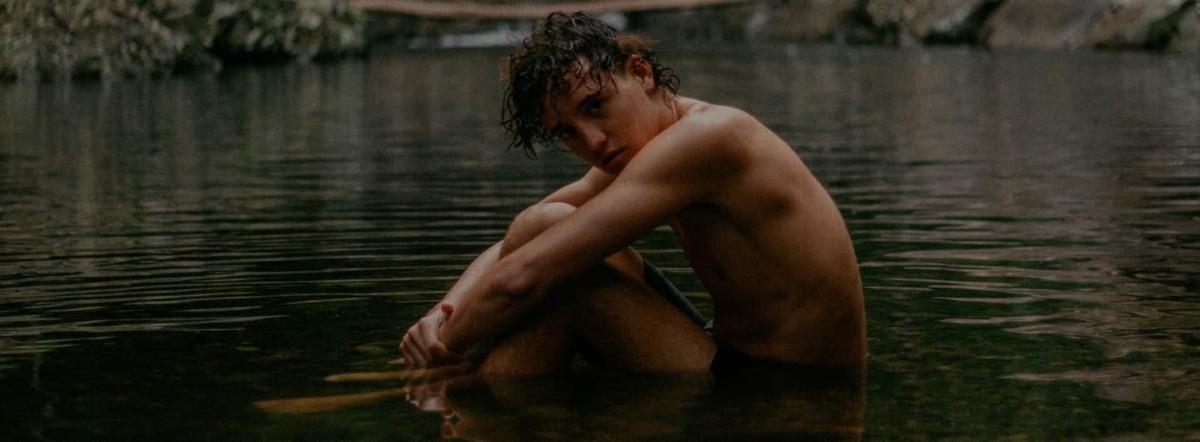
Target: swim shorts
pixel 661 285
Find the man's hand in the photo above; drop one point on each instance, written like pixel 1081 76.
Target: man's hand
pixel 422 347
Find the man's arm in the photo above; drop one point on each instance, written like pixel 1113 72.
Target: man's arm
pixel 581 191
pixel 576 194
pixel 688 163
pixel 421 345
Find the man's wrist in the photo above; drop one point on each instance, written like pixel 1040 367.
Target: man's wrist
pixel 441 331
pixel 446 310
pixel 437 309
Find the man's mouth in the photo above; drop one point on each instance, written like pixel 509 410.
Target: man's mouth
pixel 608 159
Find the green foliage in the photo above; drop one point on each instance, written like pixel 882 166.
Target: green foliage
pixel 110 38
pixel 285 29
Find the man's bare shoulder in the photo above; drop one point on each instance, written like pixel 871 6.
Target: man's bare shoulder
pixel 708 151
pixel 713 119
pixel 707 130
pixel 717 136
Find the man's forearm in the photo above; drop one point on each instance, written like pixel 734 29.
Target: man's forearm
pixel 471 276
pixel 489 307
pixel 421 344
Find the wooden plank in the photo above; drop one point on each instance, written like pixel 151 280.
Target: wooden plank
pixel 524 11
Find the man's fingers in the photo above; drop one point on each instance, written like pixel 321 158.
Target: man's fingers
pixel 407 352
pixel 421 345
pixel 422 334
pixel 414 350
pixel 411 358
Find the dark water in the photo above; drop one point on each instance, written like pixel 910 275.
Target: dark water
pixel 174 251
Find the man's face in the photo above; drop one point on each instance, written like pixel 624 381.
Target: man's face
pixel 607 124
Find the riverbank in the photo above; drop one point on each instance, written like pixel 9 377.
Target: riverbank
pixel 65 39
pixel 1151 25
pixel 129 38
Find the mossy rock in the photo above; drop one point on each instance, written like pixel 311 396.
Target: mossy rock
pixel 113 38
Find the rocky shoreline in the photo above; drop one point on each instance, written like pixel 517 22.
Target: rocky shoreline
pixel 66 39
pixel 1151 25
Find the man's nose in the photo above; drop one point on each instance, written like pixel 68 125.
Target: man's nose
pixel 594 139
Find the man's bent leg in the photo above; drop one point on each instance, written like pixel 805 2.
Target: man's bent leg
pixel 616 321
pixel 537 218
pixel 609 309
pixel 541 344
pixel 627 325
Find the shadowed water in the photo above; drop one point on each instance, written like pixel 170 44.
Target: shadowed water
pixel 175 251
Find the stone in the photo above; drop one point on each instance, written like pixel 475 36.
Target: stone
pixel 807 19
pixel 1128 24
pixel 1188 38
pixel 925 20
pixel 1043 24
pixel 116 38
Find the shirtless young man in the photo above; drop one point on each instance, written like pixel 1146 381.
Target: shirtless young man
pixel 761 233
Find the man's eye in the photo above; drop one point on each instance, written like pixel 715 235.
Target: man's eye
pixel 595 106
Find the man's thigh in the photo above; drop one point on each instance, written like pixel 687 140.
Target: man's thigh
pixel 541 344
pixel 614 319
pixel 625 324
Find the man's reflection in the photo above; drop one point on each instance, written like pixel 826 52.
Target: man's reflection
pixel 736 402
pixel 746 403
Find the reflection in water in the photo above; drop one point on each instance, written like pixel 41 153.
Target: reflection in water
pixel 594 405
pixel 641 408
pixel 165 206
pixel 1026 224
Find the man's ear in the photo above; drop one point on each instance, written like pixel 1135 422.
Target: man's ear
pixel 640 69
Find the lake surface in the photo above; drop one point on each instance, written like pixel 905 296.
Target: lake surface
pixel 181 257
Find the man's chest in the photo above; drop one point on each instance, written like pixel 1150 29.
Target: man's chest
pixel 721 253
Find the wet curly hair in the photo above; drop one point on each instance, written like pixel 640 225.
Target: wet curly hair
pixel 542 62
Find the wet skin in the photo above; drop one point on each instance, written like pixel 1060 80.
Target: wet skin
pixel 759 230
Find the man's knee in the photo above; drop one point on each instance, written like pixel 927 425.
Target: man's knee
pixel 533 221
pixel 541 216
